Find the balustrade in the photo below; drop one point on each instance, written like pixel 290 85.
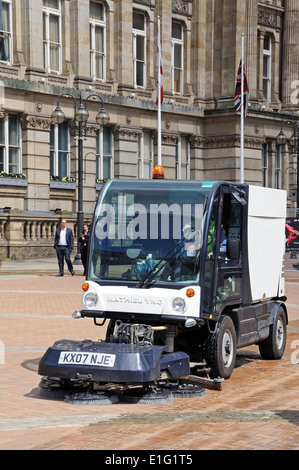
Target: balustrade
pixel 27 234
pixel 39 230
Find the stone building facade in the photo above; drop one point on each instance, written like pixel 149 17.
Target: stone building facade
pixel 108 47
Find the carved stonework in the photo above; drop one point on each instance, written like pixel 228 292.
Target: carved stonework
pixel 270 17
pixel 144 94
pixel 196 142
pixel 127 133
pixel 103 87
pixel 9 71
pixel 227 141
pixel 148 3
pixel 57 79
pixel 90 130
pixel 182 7
pixel 167 138
pixel 31 121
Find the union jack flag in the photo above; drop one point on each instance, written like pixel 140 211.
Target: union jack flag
pixel 238 90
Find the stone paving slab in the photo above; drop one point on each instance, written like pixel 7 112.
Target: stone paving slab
pixel 257 408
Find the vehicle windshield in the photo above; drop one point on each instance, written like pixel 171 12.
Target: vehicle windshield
pixel 148 232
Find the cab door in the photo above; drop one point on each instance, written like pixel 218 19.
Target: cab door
pixel 228 288
pixel 223 263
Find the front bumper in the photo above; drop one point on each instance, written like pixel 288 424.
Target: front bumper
pixel 111 362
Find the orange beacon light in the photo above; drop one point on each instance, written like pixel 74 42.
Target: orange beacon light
pixel 158 172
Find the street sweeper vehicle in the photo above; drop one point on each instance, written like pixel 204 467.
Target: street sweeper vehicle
pixel 184 273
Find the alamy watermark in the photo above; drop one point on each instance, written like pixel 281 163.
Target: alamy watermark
pixel 154 221
pixel 2 94
pixel 295 354
pixel 295 93
pixel 2 353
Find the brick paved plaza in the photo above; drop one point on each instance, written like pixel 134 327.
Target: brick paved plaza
pixel 258 407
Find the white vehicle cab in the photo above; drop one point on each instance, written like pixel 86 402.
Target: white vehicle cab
pixel 186 272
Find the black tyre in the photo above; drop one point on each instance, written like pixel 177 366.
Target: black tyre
pixel 221 349
pixel 273 347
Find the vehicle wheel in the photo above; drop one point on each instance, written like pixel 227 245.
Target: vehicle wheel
pixel 273 347
pixel 221 349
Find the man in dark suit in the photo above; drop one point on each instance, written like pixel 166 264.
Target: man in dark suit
pixel 64 245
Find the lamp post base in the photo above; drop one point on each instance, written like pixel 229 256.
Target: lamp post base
pixel 77 259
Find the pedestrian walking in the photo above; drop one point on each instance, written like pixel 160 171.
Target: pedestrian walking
pixel 84 239
pixel 64 245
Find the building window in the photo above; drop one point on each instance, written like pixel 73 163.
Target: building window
pixel 265 165
pixel 278 167
pixel 59 151
pixel 5 31
pixel 177 57
pixel 145 154
pixel 183 159
pixel 97 41
pixel 52 35
pixel 267 67
pixel 139 49
pixel 10 144
pixel 104 153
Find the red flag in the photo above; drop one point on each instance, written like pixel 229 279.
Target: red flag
pixel 238 90
pixel 159 67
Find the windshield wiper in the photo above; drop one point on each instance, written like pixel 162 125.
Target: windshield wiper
pixel 147 279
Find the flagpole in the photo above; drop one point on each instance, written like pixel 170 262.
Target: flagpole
pixel 159 98
pixel 242 114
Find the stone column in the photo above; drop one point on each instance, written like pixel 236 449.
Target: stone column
pixel 123 39
pixel 110 42
pixel 36 162
pixel 199 33
pixel 233 26
pixel 164 10
pixel 260 39
pixel 251 47
pixel 208 43
pixel 196 158
pixel 32 38
pixel 79 41
pixel 126 152
pixel 169 153
pixel 290 56
pixel 271 163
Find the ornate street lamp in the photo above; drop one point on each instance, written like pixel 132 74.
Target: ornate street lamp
pixel 81 115
pixel 282 139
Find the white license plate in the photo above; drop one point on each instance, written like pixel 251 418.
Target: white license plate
pixel 86 359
